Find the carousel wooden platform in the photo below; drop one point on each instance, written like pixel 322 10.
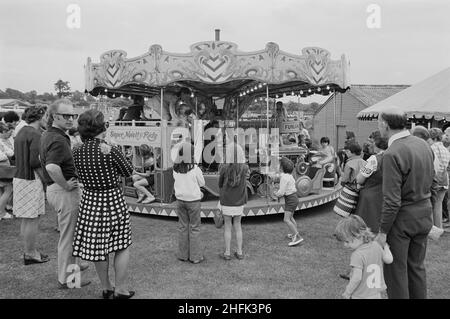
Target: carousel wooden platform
pixel 256 206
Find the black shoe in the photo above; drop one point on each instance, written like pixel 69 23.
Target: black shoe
pixel 27 260
pixel 120 296
pixel 108 294
pixel 344 276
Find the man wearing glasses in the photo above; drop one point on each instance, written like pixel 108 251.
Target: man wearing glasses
pixel 63 193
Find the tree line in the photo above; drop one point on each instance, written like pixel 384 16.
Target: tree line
pixel 62 89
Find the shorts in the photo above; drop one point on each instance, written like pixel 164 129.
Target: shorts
pixel 290 202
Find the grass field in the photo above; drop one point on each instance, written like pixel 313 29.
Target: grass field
pixel 270 269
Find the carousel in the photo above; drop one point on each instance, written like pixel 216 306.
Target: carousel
pixel 201 96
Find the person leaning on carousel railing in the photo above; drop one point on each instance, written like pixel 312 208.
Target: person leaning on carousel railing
pixel 29 196
pixel 103 224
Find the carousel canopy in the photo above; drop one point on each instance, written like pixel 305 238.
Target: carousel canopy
pixel 218 69
pixel 429 98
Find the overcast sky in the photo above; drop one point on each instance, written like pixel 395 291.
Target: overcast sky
pixel 37 48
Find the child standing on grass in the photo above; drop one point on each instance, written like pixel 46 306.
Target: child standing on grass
pixel 188 178
pixel 366 277
pixel 233 197
pixel 289 191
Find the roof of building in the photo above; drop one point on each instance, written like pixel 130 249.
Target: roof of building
pixel 12 102
pixel 370 94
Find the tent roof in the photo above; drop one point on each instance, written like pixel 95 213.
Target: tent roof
pixel 429 98
pixel 369 94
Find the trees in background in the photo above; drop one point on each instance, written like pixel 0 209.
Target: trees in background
pixel 62 88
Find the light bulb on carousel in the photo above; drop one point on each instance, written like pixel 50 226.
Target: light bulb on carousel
pixel 260 85
pixel 318 89
pixel 328 87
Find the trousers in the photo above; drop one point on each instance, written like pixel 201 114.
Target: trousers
pixel 66 204
pixel 189 221
pixel 406 276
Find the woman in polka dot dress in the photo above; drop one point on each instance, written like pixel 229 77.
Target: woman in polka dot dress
pixel 103 224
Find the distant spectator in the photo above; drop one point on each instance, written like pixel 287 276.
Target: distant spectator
pixel 441 167
pixel 11 117
pixel 6 156
pixel 136 110
pixel 368 146
pixel 303 130
pixel 122 113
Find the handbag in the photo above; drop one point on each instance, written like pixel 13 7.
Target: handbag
pixel 6 170
pixel 347 201
pixel 218 216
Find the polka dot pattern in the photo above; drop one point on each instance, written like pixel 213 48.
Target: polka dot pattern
pixel 103 224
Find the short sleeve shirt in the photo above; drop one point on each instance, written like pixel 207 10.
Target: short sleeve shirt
pixel 55 149
pixel 369 258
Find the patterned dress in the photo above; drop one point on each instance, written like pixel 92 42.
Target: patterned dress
pixel 103 224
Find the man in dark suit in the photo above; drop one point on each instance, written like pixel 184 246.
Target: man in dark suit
pixel 406 212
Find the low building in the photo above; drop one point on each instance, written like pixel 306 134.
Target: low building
pixel 337 115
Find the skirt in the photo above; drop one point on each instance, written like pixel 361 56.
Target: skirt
pixel 232 210
pixel 103 225
pixel 290 203
pixel 28 198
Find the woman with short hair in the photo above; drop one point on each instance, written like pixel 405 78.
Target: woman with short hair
pixel 29 196
pixel 103 224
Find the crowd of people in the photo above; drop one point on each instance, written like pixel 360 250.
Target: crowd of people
pixel 401 178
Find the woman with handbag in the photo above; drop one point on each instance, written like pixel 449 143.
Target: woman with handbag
pixel 6 170
pixel 29 196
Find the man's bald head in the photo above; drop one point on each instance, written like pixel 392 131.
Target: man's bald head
pixel 395 118
pixel 421 132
